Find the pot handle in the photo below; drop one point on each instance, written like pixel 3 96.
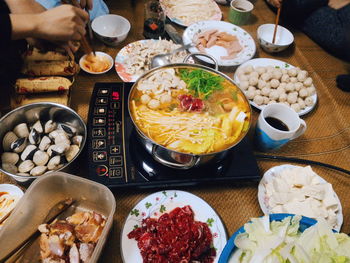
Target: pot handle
pixel 204 55
pixel 188 165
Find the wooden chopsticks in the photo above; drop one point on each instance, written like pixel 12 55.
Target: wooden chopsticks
pixel 276 24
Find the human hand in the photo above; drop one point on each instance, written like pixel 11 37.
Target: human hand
pixel 86 3
pixel 63 23
pixel 337 4
pixel 275 3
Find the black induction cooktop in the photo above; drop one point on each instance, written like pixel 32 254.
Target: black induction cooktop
pixel 117 159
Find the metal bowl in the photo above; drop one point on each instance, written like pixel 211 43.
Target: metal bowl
pixel 44 111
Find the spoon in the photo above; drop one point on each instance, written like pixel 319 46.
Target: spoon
pixel 164 59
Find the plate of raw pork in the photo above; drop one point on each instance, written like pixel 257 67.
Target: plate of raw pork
pixel 228 43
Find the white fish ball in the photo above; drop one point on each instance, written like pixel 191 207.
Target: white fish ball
pixel 311 90
pixel 165 98
pixel 290 87
pixel 292 98
pixel 282 97
pixel 251 88
pixel 301 76
pixel 308 82
pixel 293 80
pixel 277 74
pixel 280 90
pixel 292 72
pixel 268 85
pixel 260 70
pixel 254 74
pixel 301 103
pixel 261 83
pixel 305 73
pixel 274 83
pixel 265 91
pixel 265 100
pixel 295 107
pixel 250 94
pixel 274 95
pixel 266 76
pixel 298 86
pixel 244 85
pixel 257 92
pixel 243 77
pixel 282 85
pixel 153 104
pixel 285 78
pixel 145 99
pixel 309 101
pixel 258 100
pixel 248 69
pixel 303 93
pixel 253 81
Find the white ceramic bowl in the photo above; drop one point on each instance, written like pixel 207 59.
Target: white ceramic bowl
pixel 101 54
pixel 111 29
pixel 283 38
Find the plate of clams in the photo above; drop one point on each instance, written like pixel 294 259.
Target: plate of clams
pixel 39 147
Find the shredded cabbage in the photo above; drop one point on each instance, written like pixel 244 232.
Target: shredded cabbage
pixel 282 242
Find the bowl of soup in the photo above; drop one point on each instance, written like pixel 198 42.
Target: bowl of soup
pixel 187 115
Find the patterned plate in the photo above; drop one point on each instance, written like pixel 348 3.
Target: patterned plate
pixel 245 40
pixel 167 5
pixel 158 203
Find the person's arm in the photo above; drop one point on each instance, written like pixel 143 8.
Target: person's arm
pixel 24 6
pixel 62 23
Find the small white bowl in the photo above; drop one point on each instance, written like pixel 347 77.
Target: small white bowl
pixel 98 53
pixel 283 38
pixel 111 29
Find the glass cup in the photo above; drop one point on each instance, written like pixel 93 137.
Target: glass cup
pixel 154 20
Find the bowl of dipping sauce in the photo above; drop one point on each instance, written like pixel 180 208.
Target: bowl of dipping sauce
pixel 98 64
pixel 283 38
pixel 111 29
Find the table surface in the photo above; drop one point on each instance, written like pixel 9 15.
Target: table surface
pixel 327 138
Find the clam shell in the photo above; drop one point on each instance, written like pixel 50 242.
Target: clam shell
pixel 57 133
pixel 45 143
pixel 26 166
pixel 9 138
pixel 72 152
pixel 55 163
pixel 62 139
pixel 19 145
pixel 40 158
pixel 21 130
pixel 77 140
pixel 34 137
pixel 39 170
pixel 69 130
pixel 50 126
pixel 9 157
pixel 28 152
pixel 11 168
pixel 38 126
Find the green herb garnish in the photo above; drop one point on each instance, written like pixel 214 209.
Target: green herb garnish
pixel 201 83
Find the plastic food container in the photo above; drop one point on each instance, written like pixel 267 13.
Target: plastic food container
pixel 41 196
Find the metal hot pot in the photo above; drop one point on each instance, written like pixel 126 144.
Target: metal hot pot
pixel 169 157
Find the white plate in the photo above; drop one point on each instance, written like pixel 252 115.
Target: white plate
pixel 217 15
pixel 98 53
pixel 168 200
pixel 263 62
pixel 268 177
pixel 245 40
pixel 13 191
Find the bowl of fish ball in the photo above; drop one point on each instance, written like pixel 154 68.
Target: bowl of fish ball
pixel 284 38
pixel 39 138
pixel 188 115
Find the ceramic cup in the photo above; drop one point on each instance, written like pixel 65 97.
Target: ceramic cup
pixel 269 138
pixel 240 11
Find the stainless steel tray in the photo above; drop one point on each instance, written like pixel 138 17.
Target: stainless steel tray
pixel 41 196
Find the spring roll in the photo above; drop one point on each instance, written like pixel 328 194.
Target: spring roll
pixel 36 54
pixel 42 84
pixel 50 68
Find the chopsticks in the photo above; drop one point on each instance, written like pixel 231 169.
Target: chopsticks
pixel 276 24
pixel 84 43
pixel 54 212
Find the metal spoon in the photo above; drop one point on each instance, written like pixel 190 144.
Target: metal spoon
pixel 164 59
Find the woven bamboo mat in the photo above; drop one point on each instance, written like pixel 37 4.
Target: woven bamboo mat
pixel 327 138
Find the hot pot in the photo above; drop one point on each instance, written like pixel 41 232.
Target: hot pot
pixel 170 157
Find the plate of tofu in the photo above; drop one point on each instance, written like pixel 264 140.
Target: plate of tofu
pixel 299 190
